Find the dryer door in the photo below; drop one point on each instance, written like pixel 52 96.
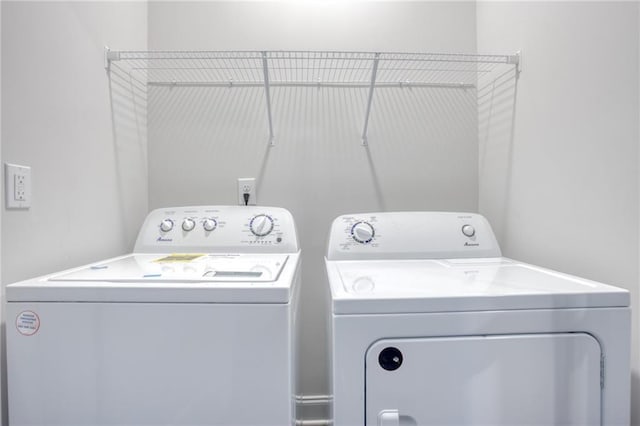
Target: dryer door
pixel 525 379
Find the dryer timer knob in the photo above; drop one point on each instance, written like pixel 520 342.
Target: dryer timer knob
pixel 362 232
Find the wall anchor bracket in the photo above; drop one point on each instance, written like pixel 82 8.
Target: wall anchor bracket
pixel 517 61
pixel 110 55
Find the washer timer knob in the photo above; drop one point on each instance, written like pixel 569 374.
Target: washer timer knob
pixel 209 224
pixel 188 224
pixel 261 225
pixel 468 230
pixel 166 225
pixel 362 232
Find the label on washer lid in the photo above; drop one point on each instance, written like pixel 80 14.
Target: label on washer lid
pixel 179 258
pixel 27 323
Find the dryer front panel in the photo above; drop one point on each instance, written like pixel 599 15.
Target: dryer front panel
pixel 524 379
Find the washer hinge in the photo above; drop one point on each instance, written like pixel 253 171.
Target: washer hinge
pixel 602 372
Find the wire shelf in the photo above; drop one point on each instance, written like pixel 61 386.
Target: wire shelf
pixel 368 70
pixel 308 68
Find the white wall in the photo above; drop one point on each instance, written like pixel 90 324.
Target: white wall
pixel 3 362
pixel 89 176
pixel 559 159
pixel 423 143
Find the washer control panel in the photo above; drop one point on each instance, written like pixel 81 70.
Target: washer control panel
pixel 411 235
pixel 246 229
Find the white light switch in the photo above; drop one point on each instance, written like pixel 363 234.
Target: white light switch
pixel 17 186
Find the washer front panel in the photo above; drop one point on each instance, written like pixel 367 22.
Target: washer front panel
pixel 124 364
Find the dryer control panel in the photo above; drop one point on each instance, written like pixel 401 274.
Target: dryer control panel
pixel 411 235
pixel 228 229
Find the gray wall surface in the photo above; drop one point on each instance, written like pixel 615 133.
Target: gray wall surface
pixel 423 142
pixel 89 180
pixel 3 362
pixel 559 159
pixel 88 164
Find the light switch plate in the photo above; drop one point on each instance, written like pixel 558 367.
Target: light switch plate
pixel 17 186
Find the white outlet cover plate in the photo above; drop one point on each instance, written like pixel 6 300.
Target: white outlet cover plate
pixel 243 185
pixel 17 196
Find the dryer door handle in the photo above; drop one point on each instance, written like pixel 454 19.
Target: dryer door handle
pixel 389 418
pixel 393 418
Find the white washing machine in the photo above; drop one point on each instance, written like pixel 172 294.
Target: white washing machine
pixel 196 327
pixel 431 326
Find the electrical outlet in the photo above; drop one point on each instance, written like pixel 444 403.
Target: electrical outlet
pixel 247 186
pixel 17 186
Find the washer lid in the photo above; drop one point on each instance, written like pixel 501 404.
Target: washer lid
pixel 392 286
pixel 188 277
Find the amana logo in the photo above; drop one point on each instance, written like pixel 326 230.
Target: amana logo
pixel 167 240
pixel 468 244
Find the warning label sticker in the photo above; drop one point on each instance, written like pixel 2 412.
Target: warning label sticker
pixel 27 323
pixel 179 258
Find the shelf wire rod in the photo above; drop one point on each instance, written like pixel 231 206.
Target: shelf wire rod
pixel 251 68
pixel 331 69
pixel 187 60
pixel 314 84
pixel 304 66
pixel 227 65
pixel 317 69
pixel 215 69
pixel 265 70
pixel 238 70
pixel 347 70
pixel 202 67
pixel 355 70
pixel 372 86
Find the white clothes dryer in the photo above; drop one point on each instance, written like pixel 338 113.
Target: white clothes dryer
pixel 430 325
pixel 196 327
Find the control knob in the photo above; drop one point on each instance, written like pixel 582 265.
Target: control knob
pixel 468 230
pixel 166 225
pixel 188 224
pixel 261 225
pixel 209 224
pixel 362 232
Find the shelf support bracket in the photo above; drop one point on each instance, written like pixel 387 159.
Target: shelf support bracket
pixel 517 61
pixel 372 86
pixel 110 55
pixel 267 93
